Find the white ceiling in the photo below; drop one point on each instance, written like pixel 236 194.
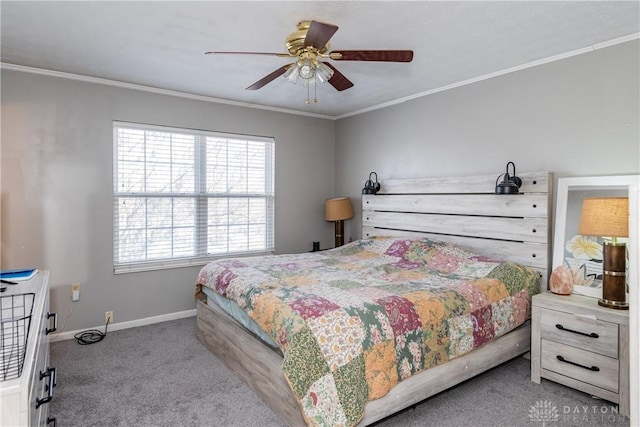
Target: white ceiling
pixel 162 44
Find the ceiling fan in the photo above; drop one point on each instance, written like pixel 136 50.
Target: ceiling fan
pixel 309 45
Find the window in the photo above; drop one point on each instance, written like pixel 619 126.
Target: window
pixel 182 197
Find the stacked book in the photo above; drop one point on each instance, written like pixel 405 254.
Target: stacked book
pixel 17 275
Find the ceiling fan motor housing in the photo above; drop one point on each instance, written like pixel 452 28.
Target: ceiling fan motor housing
pixel 295 42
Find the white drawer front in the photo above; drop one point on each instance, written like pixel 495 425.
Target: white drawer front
pixel 580 331
pixel 603 372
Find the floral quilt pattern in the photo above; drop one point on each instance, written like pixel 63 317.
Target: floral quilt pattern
pixel 354 321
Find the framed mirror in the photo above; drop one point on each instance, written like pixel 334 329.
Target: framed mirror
pixel 583 254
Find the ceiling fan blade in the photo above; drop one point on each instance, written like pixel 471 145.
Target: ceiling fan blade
pixel 269 78
pixel 217 52
pixel 374 55
pixel 338 80
pixel 319 34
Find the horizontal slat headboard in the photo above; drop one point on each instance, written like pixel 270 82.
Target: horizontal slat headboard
pixel 465 211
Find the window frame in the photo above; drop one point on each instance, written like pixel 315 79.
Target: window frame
pixel 201 198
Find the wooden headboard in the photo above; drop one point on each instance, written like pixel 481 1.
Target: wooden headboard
pixel 465 211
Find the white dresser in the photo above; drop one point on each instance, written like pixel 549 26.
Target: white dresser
pixel 25 393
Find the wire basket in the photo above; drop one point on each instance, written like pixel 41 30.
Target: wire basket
pixel 15 316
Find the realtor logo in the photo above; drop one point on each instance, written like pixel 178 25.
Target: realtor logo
pixel 543 411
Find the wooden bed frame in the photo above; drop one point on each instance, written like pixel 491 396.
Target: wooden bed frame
pixel 461 210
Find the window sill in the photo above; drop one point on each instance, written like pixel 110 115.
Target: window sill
pixel 190 262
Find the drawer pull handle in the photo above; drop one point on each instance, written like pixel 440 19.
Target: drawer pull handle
pixel 592 368
pixel 591 335
pixel 55 322
pixel 51 373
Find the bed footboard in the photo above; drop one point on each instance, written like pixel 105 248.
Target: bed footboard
pixel 435 380
pixel 253 361
pixel 261 367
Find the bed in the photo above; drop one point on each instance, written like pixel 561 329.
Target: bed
pixel 440 283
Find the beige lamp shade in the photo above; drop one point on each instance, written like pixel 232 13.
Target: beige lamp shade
pixel 338 209
pixel 604 216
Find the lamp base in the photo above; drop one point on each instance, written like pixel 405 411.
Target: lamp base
pixel 339 227
pixel 619 305
pixel 613 276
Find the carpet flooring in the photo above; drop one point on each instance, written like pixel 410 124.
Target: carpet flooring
pixel 160 375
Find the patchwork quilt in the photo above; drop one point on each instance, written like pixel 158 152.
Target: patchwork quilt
pixel 354 321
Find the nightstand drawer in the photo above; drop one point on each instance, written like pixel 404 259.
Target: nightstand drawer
pixel 596 369
pixel 580 331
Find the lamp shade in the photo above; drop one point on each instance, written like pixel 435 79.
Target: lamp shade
pixel 338 209
pixel 604 216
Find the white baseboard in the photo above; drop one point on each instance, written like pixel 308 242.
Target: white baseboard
pixel 126 325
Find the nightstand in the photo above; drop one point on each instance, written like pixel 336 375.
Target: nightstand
pixel 577 343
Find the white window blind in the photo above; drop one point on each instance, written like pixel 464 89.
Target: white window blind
pixel 183 197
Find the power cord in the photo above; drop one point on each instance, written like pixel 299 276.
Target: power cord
pixel 91 336
pixel 64 320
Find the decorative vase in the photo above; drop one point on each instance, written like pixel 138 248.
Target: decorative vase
pixel 561 281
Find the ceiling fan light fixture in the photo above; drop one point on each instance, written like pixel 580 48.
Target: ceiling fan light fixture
pixel 308 72
pixel 323 72
pixel 306 69
pixel 292 73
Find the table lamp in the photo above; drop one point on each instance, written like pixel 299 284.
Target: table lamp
pixel 609 217
pixel 338 210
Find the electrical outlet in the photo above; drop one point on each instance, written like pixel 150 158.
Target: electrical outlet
pixel 108 317
pixel 75 291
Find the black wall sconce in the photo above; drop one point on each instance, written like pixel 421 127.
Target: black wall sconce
pixel 510 183
pixel 371 187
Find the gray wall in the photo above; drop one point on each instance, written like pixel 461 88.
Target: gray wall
pixel 574 117
pixel 57 176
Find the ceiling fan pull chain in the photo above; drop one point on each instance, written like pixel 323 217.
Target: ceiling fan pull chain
pixel 308 101
pixel 315 91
